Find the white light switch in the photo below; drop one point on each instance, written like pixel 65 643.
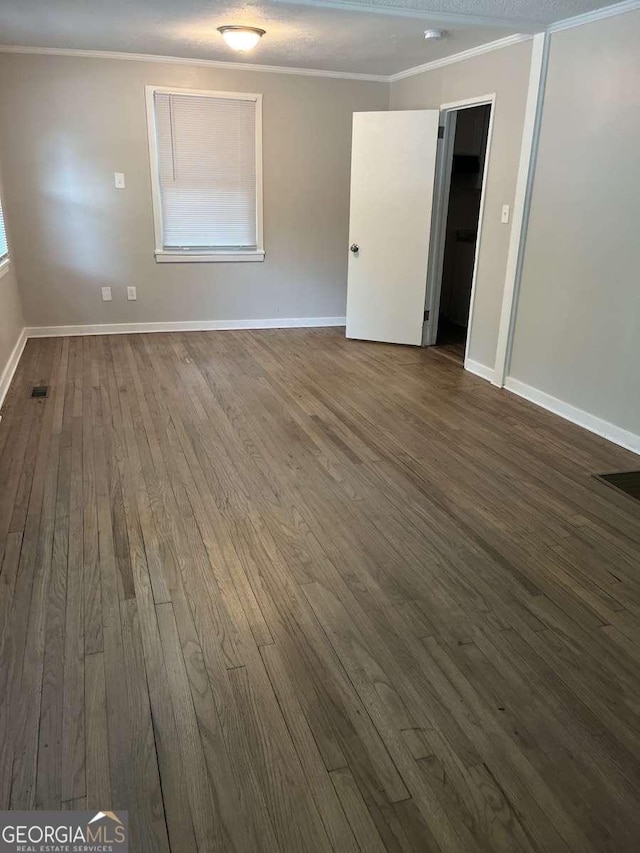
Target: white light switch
pixel 131 294
pixel 106 294
pixel 505 214
pixel 118 179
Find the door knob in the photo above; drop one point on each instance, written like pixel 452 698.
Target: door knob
pixel 354 248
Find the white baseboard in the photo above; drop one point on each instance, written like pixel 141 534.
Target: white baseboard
pixel 479 369
pixel 182 326
pixel 133 328
pixel 616 434
pixel 11 365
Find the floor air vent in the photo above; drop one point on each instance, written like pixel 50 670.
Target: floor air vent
pixel 40 391
pixel 624 481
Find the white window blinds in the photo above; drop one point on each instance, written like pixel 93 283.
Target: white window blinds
pixel 207 165
pixel 4 247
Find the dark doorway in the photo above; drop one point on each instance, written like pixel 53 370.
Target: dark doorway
pixel 463 212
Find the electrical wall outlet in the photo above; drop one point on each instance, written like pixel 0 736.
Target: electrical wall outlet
pixel 505 214
pixel 118 179
pixel 106 294
pixel 131 294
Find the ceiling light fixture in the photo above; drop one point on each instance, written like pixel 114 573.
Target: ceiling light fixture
pixel 434 35
pixel 241 38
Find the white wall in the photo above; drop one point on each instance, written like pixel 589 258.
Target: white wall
pixel 11 320
pixel 577 333
pixel 75 121
pixel 505 72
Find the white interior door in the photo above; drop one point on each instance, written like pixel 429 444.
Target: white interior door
pixel 393 162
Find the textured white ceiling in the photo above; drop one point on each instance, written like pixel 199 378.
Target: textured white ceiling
pixel 378 37
pixel 517 11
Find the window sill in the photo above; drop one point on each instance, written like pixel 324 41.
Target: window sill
pixel 4 266
pixel 209 257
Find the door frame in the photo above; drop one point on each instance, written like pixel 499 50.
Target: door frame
pixel 448 116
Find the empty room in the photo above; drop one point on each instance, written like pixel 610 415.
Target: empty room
pixel 319 426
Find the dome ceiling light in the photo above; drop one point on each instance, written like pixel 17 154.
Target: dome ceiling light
pixel 241 38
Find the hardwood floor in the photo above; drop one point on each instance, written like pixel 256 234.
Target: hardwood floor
pixel 282 591
pixel 452 341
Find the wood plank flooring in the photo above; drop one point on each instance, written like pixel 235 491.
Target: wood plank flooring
pixel 281 591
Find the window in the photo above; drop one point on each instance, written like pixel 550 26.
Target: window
pixel 4 246
pixel 206 172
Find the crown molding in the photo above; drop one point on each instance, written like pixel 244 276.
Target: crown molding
pixel 596 15
pixel 178 60
pixel 462 56
pixel 273 69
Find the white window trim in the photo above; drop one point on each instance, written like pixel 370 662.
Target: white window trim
pixel 5 263
pixel 187 256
